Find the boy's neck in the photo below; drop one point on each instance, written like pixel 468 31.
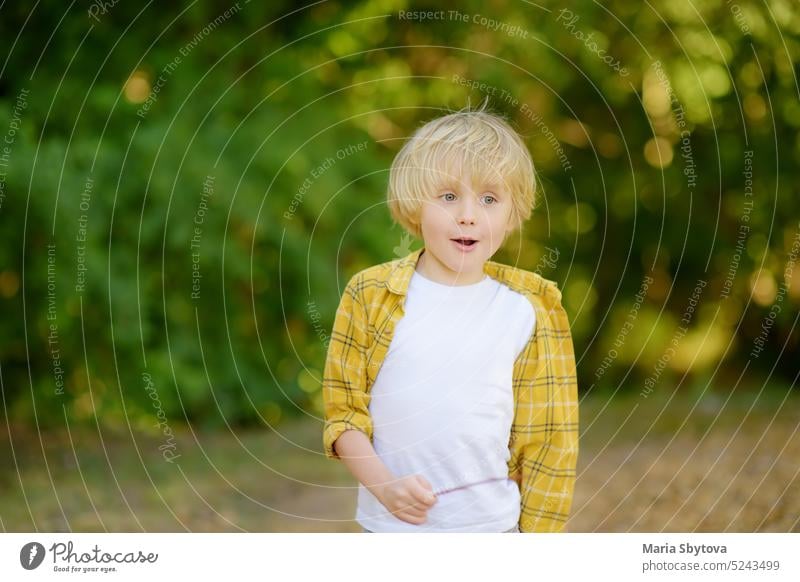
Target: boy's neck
pixel 432 269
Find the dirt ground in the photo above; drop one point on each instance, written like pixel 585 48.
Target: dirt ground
pixel 694 464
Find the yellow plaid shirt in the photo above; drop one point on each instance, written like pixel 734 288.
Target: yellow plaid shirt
pixel 544 433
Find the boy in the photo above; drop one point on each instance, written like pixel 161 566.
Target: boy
pixel 449 386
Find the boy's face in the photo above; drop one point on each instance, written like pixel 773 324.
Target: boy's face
pixel 462 209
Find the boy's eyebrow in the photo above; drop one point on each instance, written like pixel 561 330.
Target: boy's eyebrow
pixel 493 187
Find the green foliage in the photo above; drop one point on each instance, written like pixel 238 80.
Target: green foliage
pixel 291 128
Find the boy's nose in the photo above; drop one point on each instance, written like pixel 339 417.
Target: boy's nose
pixel 466 213
pixel 466 219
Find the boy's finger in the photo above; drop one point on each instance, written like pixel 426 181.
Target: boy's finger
pixel 424 482
pixel 424 496
pixel 429 497
pixel 406 513
pixel 416 511
pixel 414 506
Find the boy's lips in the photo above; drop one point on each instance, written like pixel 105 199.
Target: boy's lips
pixel 465 243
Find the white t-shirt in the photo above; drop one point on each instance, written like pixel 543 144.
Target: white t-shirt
pixel 442 404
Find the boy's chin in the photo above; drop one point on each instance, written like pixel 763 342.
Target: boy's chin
pixel 467 266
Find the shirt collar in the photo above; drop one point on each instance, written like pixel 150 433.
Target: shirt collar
pixel 400 276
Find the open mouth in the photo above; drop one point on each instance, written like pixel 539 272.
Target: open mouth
pixel 465 242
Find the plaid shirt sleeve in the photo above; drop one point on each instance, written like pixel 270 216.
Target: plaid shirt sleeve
pixel 544 434
pixel 344 381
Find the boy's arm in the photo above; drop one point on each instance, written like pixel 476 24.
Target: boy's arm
pixel 544 435
pixel 356 451
pixel 344 380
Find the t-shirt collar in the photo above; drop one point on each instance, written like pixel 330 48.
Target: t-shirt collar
pixel 400 277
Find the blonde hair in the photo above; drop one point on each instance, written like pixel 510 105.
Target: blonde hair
pixel 480 141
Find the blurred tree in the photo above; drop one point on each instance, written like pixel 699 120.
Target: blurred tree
pixel 210 176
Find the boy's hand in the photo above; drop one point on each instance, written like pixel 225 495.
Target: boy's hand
pixel 408 498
